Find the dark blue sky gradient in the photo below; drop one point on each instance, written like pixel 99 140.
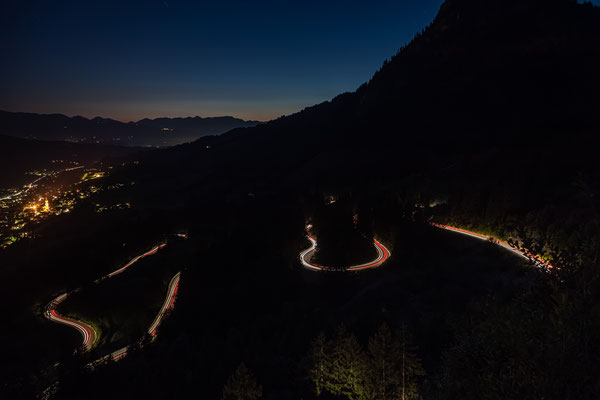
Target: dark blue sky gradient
pixel 251 59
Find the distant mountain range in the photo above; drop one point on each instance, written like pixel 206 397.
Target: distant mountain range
pixel 146 132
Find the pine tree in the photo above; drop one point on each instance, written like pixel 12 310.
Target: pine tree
pixel 320 362
pixel 383 372
pixel 241 385
pixel 347 367
pixel 410 367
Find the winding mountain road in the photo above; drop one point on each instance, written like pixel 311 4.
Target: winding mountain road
pixel 537 261
pixel 305 257
pixel 383 253
pixel 87 331
pixel 166 307
pixel 167 304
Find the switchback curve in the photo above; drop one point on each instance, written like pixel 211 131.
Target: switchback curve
pixel 382 255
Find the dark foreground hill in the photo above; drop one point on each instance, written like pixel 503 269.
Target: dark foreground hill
pixel 146 132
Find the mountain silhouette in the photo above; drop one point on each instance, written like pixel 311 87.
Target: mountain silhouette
pixel 146 132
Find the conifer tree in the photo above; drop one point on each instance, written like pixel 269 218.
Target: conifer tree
pixel 347 367
pixel 383 366
pixel 241 385
pixel 320 362
pixel 410 367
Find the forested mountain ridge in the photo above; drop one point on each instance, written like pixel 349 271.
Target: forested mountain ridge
pixel 488 67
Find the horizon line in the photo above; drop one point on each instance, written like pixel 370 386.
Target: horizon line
pixel 127 121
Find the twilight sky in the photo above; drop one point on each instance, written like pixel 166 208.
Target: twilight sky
pixel 251 59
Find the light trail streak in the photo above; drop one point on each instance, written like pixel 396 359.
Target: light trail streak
pixel 136 259
pixel 87 331
pixel 74 168
pixel 307 254
pixel 382 255
pixel 537 261
pixel 167 305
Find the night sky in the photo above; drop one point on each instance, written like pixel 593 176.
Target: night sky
pixel 251 59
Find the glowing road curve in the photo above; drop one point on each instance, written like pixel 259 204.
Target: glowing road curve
pixel 305 257
pixel 166 307
pixel 537 261
pixel 87 331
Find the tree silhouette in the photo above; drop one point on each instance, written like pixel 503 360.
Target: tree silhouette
pixel 241 385
pixel 383 365
pixel 347 367
pixel 320 362
pixel 410 366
